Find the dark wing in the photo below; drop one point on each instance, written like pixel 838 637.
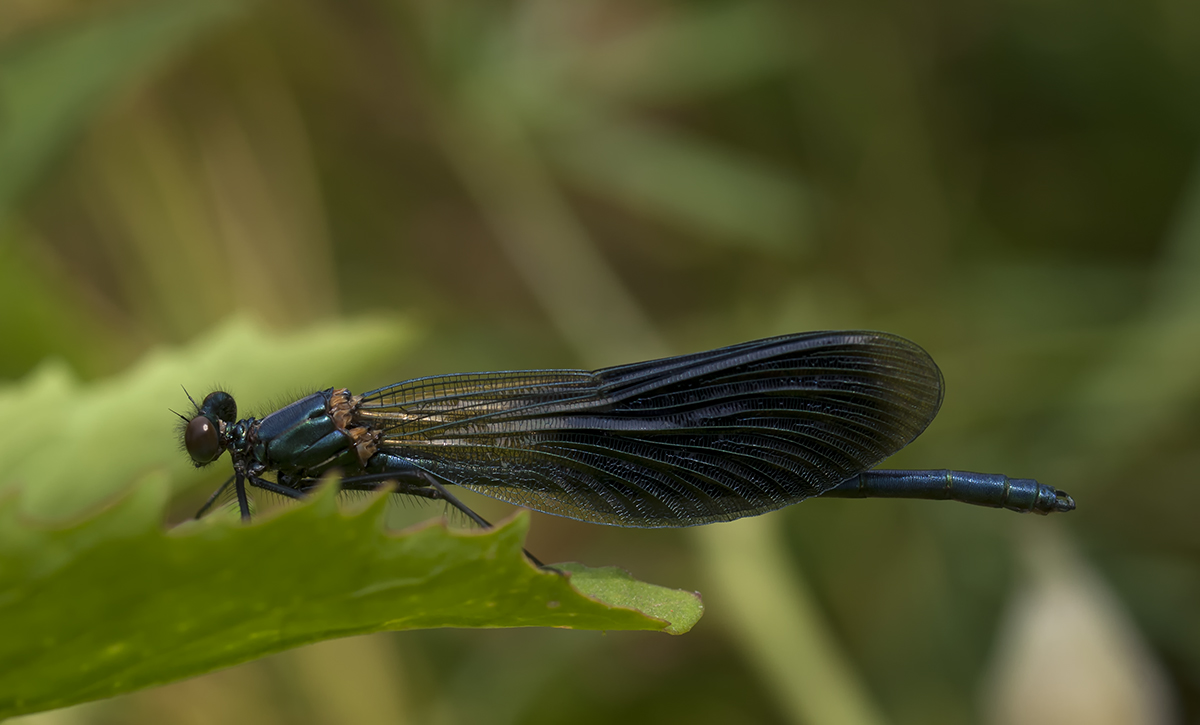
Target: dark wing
pixel 680 441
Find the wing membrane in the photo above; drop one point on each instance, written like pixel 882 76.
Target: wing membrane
pixel 711 436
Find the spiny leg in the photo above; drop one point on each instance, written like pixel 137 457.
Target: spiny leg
pixel 429 487
pixel 213 498
pixel 432 489
pixel 280 489
pixel 239 485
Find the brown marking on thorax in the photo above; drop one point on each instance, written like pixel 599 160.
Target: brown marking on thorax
pixel 342 406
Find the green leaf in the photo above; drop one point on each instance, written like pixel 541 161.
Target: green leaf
pixel 616 587
pixel 51 85
pixel 114 603
pixel 98 599
pixel 67 446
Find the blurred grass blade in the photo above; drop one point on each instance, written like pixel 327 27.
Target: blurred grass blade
pixel 678 178
pixel 692 54
pixel 37 315
pixel 1151 381
pixel 517 89
pixel 54 82
pixel 335 673
pixel 114 603
pixel 778 624
pixel 539 232
pixel 1069 653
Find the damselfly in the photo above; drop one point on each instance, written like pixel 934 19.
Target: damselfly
pixel 682 441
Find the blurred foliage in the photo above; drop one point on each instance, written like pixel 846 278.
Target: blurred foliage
pixel 1012 185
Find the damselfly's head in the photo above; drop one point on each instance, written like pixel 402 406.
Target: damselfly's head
pixel 204 435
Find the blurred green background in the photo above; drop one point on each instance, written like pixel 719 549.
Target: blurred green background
pixel 1011 184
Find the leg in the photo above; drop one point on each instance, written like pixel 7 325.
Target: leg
pixel 243 503
pixel 213 498
pixel 273 487
pixel 427 486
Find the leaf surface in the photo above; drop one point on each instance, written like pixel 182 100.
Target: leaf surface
pixel 99 598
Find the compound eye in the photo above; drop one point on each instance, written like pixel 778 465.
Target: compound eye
pixel 201 440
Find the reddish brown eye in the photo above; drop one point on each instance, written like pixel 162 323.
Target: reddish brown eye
pixel 201 440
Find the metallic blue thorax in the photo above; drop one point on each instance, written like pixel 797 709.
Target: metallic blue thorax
pixel 304 439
